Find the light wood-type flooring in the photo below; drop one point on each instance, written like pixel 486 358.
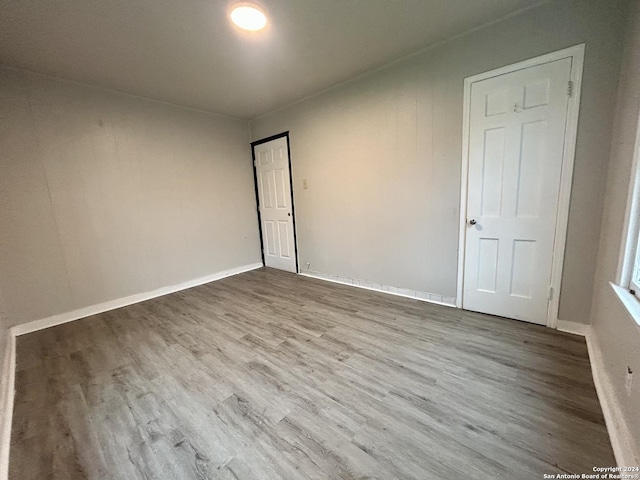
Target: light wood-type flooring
pixel 269 375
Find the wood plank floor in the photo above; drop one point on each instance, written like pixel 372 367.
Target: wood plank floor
pixel 269 375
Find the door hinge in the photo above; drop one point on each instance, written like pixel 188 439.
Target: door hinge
pixel 570 88
pixel 550 293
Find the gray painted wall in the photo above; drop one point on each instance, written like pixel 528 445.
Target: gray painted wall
pixel 104 195
pixel 381 154
pixel 617 334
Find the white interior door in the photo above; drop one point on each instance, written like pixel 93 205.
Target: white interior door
pixel 276 211
pixel 516 140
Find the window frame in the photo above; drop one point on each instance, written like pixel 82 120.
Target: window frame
pixel 629 262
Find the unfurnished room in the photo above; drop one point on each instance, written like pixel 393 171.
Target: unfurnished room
pixel 319 239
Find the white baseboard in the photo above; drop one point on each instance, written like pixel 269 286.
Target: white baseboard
pixel 622 442
pixel 368 285
pixel 624 447
pixel 573 327
pixel 125 301
pixel 7 392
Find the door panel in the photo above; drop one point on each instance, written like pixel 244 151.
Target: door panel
pixel 283 237
pixel 492 168
pixel 266 189
pixel 516 144
pixel 487 264
pixel 276 212
pixel 522 268
pixel 531 174
pixel 269 232
pixel 281 187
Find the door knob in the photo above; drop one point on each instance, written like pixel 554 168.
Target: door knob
pixel 473 221
pixel 289 214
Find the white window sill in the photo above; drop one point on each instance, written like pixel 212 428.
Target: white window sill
pixel 630 301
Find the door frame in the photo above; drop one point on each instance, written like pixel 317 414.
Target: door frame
pixel 576 53
pixel 255 184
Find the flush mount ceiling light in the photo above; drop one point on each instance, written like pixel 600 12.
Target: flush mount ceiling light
pixel 248 17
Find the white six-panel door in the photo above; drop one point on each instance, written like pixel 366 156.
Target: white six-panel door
pixel 276 212
pixel 517 125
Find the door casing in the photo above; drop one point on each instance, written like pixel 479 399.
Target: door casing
pixel 576 53
pixel 255 184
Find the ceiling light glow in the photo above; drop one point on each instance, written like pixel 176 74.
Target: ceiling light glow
pixel 248 18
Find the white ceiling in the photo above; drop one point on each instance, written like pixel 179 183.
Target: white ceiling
pixel 186 52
